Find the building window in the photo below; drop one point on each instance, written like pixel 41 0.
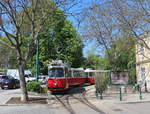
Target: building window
pixel 143 74
pixel 142 50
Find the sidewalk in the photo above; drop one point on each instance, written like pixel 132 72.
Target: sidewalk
pixel 7 94
pixel 126 97
pixel 110 104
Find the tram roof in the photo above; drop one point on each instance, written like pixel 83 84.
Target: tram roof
pixel 50 67
pixel 77 69
pixel 89 70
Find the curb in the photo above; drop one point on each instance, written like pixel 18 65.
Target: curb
pixel 5 103
pixel 21 104
pixel 133 102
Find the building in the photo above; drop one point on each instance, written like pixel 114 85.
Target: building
pixel 143 60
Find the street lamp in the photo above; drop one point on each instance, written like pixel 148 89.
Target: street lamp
pixel 37 59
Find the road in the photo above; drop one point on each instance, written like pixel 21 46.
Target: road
pixel 76 101
pixel 71 102
pixel 136 108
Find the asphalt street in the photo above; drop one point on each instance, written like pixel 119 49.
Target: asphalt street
pixel 71 102
pixel 78 100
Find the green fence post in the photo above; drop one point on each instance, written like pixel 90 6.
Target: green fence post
pixel 101 95
pixel 120 93
pixel 140 93
pixel 96 92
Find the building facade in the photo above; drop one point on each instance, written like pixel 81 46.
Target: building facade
pixel 143 60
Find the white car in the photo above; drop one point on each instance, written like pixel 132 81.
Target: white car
pixel 30 79
pixel 42 78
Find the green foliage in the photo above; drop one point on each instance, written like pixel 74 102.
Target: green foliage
pixel 58 40
pixel 8 57
pixel 123 57
pixel 96 62
pixel 101 82
pixel 122 53
pixel 35 87
pixel 44 90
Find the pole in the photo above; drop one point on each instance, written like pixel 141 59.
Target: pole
pixel 140 93
pixel 120 93
pixel 146 87
pixel 37 59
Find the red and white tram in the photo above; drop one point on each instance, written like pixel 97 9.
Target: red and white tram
pixel 77 76
pixel 62 76
pixel 90 76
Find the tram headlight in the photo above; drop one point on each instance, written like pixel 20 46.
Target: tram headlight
pixel 55 83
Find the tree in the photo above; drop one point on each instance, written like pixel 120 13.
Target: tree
pixel 124 54
pixel 96 62
pixel 133 18
pixel 8 57
pixel 12 23
pixel 58 40
pixel 107 21
pixel 100 25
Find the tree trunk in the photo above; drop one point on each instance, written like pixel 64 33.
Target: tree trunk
pixel 24 96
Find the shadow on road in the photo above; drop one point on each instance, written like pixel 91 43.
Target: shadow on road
pixel 85 101
pixel 77 94
pixel 66 104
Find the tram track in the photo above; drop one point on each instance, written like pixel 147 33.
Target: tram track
pixel 73 97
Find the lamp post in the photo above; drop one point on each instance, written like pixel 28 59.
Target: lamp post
pixel 37 59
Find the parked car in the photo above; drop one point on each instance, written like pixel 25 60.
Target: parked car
pixel 1 78
pixel 30 79
pixel 9 82
pixel 42 78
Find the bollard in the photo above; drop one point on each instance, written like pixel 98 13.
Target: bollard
pixel 140 93
pixel 101 95
pixel 120 94
pixel 96 93
pixel 145 87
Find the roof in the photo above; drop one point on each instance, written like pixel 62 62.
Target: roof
pixel 88 70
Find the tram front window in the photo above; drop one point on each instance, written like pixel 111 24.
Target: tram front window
pixel 56 73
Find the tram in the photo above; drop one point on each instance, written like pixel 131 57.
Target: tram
pixel 61 76
pixel 77 76
pixel 90 76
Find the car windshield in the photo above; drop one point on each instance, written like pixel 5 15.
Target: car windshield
pixel 59 72
pixel 6 77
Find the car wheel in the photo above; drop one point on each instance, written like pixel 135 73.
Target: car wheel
pixel 2 87
pixel 14 87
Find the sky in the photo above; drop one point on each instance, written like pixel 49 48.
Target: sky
pixel 88 45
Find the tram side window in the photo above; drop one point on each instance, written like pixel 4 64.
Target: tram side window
pixel 67 73
pixel 78 74
pixel 75 73
pixel 82 74
pixel 86 74
pixel 91 74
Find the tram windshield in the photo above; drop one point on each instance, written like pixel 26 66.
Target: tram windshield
pixel 59 72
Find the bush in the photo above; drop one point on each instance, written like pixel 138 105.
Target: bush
pixel 34 87
pixel 44 90
pixel 101 82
